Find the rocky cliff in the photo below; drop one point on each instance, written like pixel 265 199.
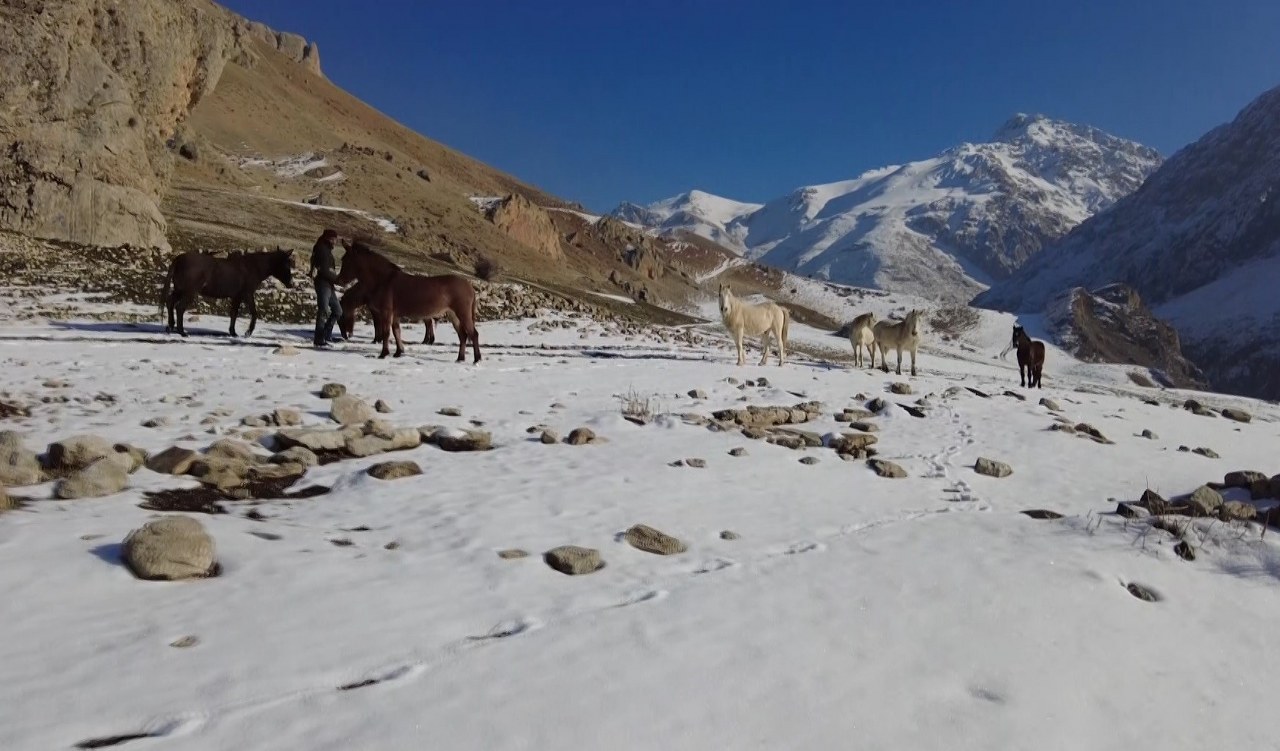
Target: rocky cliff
pixel 92 95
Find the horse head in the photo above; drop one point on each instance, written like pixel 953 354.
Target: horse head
pixel 353 262
pixel 1019 334
pixel 282 266
pixel 726 295
pixel 913 324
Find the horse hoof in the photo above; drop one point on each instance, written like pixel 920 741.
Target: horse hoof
pixel 398 354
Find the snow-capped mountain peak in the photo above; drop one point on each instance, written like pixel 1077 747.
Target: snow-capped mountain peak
pixel 947 226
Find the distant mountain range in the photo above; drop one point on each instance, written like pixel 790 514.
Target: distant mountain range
pixel 945 227
pixel 1200 240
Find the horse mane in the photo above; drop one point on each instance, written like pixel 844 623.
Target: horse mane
pixel 863 318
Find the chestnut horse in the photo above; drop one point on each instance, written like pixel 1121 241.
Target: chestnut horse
pixel 194 274
pixel 1030 357
pixel 358 297
pixel 397 295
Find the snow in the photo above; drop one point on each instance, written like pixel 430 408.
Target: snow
pixel 852 607
pixel 287 166
pixel 1235 306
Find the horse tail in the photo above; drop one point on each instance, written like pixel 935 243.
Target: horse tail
pixel 786 319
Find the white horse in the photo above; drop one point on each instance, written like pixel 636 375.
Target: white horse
pixel 862 335
pixel 763 320
pixel 898 336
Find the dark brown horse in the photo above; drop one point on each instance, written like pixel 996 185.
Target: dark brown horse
pixel 1030 357
pixel 194 274
pixel 358 297
pixel 398 295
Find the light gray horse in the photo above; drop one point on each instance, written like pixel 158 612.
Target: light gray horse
pixel 763 320
pixel 862 335
pixel 898 336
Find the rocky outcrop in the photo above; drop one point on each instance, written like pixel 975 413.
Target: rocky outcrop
pixel 291 46
pixel 93 97
pixel 527 224
pixel 633 247
pixel 1111 324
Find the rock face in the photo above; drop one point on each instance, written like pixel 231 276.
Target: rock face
pixel 527 224
pixel 173 547
pixel 93 97
pixel 1111 324
pixel 351 410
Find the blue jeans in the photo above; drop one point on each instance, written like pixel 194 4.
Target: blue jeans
pixel 328 310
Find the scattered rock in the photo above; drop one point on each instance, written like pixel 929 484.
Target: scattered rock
pixel 737 451
pixel 332 390
pixel 1153 502
pixel 1237 511
pixel 169 548
pixel 77 452
pixel 848 443
pixel 350 410
pixel 1184 551
pixel 381 407
pixel 468 440
pixel 808 460
pixel 1062 427
pixel 549 436
pixel 1016 395
pixel 450 411
pixel 393 545
pixel 886 468
pixel 186 641
pixel 512 554
pixel 1206 452
pixel 133 457
pixel 877 405
pixel 101 478
pixel 913 411
pixel 1204 501
pixel 317 440
pixel 992 468
pixel 19 466
pixel 1042 513
pixel 1149 435
pixel 650 540
pixel 794 438
pixel 1142 593
pixel 580 436
pixel 299 455
pixel 1092 432
pixel 156 422
pixel 285 350
pixel 864 426
pixel 1239 415
pixel 696 463
pixel 697 394
pixel 285 417
pixel 394 470
pixel 729 535
pixel 762 382
pixel 1131 510
pixel 574 560
pixel 1244 478
pixel 676 463
pixel 232 450
pixel 900 388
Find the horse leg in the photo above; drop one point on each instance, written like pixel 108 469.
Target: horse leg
pixel 913 360
pixel 253 316
pixel 395 327
pixel 738 335
pixel 764 347
pixel 871 350
pixel 430 337
pixel 235 313
pixel 460 327
pixel 884 357
pixel 184 303
pixel 173 297
pixel 782 346
pixel 899 351
pixel 384 325
pixel 1022 378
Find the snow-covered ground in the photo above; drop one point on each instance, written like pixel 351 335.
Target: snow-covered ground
pixel 852 612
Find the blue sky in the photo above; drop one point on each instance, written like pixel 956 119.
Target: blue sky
pixel 605 101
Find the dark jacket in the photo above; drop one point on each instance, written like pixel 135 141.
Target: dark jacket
pixel 323 267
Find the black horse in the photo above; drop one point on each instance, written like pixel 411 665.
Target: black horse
pixel 236 277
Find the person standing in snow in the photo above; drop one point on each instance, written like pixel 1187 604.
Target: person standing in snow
pixel 325 271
